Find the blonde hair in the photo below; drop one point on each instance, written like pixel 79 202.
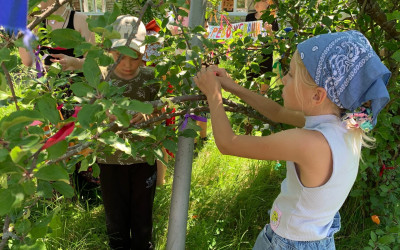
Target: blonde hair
pixel 356 137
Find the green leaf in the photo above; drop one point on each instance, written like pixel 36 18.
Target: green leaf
pixel 114 14
pixel 395 15
pixel 6 201
pixel 87 114
pixel 39 245
pixel 373 236
pixel 181 45
pixel 396 119
pixel 52 173
pixel 189 133
pixel 40 228
pixel 66 38
pixel 150 39
pixel 96 170
pixel 3 82
pixel 29 186
pixel 91 71
pixel 170 145
pixel 16 154
pixel 114 141
pixel 103 87
pixel 396 56
pixel 81 89
pixel 23 226
pixel 23 117
pixel 56 227
pixel 84 165
pixel 3 96
pixel 57 150
pixel 122 116
pixel 3 154
pixel 4 54
pixel 57 18
pixel 44 189
pixel 48 107
pixel 33 3
pixel 141 132
pixel 3 181
pixel 30 141
pixel 138 106
pixel 64 189
pixel 112 34
pixel 327 21
pixel 127 51
pixel 386 239
pixel 395 230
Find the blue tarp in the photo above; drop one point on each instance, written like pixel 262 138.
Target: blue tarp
pixel 13 14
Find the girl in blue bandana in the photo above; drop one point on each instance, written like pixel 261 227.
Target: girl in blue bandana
pixel 331 76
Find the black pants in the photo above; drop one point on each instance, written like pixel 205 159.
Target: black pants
pixel 128 195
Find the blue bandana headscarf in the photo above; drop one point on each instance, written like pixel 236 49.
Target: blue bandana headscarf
pixel 347 67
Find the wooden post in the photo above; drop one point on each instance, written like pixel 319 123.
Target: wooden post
pixel 183 164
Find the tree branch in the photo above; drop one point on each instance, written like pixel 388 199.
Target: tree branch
pixel 10 83
pixel 75 149
pixel 6 233
pixel 38 19
pixel 373 9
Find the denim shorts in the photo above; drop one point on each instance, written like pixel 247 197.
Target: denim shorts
pixel 269 240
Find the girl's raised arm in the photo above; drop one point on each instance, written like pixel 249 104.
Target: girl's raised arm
pixel 265 106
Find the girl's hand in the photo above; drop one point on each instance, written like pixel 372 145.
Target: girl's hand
pixel 67 62
pixel 139 118
pixel 225 80
pixel 208 82
pixel 220 72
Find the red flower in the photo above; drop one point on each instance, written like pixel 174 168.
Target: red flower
pixel 59 107
pixel 60 135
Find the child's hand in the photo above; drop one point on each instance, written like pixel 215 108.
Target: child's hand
pixel 139 118
pixel 208 82
pixel 225 80
pixel 220 72
pixel 67 62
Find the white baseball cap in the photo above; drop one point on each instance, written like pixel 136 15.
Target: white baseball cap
pixel 124 25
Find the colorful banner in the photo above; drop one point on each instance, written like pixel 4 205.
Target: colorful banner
pixel 252 29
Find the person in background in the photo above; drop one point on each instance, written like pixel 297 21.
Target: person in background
pixel 128 185
pixel 66 57
pixel 267 63
pixel 333 92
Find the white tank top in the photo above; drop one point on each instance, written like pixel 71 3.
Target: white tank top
pixel 306 214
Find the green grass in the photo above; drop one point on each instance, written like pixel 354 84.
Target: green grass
pixel 229 201
pixel 76 227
